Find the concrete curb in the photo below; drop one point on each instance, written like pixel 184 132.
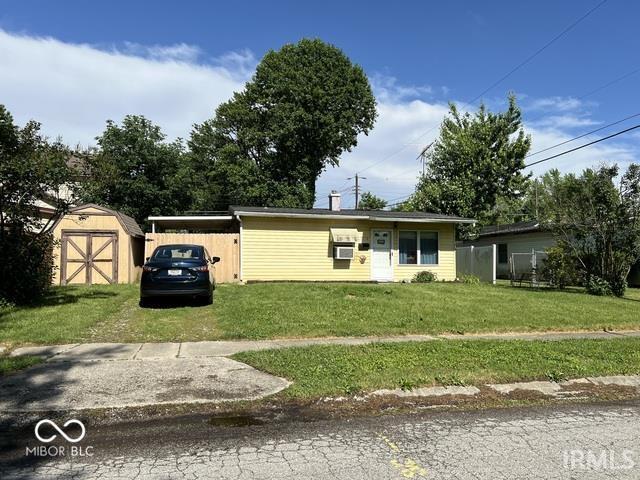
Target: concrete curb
pixel 553 389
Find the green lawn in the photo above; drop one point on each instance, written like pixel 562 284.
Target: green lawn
pixel 12 364
pixel 111 313
pixel 336 370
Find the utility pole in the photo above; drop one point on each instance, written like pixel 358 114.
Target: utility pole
pixel 356 188
pixel 423 157
pixel 536 199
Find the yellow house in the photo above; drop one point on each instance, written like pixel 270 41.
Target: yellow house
pixel 284 244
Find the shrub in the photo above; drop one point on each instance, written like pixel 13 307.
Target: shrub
pixel 618 286
pixel 560 269
pixel 424 277
pixel 470 279
pixel 27 267
pixel 598 286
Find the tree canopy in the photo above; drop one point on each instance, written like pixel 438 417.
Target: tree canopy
pixel 597 224
pixel 136 171
pixel 476 161
pixel 32 170
pixel 369 201
pixel 306 104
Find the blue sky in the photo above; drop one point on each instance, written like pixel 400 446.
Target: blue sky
pixel 76 65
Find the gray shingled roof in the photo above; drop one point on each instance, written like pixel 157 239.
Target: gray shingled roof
pixel 511 228
pixel 320 212
pixel 128 223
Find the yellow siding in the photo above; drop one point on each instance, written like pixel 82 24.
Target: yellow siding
pixel 301 249
pixel 91 219
pixel 446 268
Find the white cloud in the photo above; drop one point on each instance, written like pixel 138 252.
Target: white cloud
pixel 387 89
pixel 565 121
pixel 402 130
pixel 557 103
pixel 180 52
pixel 72 89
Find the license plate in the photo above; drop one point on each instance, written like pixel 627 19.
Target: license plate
pixel 174 272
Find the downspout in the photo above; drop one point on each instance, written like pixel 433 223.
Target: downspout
pixel 240 250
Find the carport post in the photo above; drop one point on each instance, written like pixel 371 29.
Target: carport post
pixel 153 226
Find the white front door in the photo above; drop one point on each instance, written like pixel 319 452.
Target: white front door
pixel 381 264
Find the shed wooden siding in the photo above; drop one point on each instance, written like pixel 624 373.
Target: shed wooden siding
pixel 223 245
pixel 301 249
pixel 91 219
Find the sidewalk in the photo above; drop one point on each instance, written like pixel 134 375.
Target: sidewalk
pixel 194 350
pixel 120 375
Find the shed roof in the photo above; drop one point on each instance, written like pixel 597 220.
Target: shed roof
pixel 128 224
pixel 511 228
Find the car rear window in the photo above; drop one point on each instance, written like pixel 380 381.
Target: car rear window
pixel 177 252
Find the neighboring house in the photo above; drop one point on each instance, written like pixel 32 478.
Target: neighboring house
pixel 523 237
pixel 520 237
pixel 327 244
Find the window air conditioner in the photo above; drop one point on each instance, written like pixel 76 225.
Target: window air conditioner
pixel 343 253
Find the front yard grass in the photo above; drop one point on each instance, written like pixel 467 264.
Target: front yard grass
pixel 338 370
pixel 13 364
pixel 279 310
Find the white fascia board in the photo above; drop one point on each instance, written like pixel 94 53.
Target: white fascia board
pixel 301 215
pixel 421 220
pixel 372 218
pixel 190 218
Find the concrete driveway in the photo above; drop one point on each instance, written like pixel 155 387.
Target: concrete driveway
pixel 125 375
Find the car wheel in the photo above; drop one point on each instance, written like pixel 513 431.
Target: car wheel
pixel 144 302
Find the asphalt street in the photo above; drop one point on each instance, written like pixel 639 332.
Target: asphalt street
pixel 556 442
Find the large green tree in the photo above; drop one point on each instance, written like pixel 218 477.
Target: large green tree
pixel 136 171
pixel 32 169
pixel 597 224
pixel 305 105
pixel 477 160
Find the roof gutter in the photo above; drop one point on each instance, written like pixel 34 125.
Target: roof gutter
pixel 190 217
pixel 372 218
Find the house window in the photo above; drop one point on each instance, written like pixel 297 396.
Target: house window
pixel 503 256
pixel 418 248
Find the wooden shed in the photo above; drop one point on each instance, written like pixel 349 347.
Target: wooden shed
pixel 97 245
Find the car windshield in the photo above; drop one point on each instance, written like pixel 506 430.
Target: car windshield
pixel 177 252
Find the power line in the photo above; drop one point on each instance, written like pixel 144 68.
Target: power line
pixel 583 135
pixel 608 84
pixel 537 52
pixel 504 77
pixel 583 146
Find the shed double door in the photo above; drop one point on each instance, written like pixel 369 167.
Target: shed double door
pixel 89 257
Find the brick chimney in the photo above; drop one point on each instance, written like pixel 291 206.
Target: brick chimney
pixel 334 201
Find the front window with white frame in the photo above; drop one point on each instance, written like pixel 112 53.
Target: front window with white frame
pixel 417 247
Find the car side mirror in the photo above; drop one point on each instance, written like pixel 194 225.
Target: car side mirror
pixel 215 260
pixel 147 259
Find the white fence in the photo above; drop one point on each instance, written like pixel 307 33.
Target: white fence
pixel 478 261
